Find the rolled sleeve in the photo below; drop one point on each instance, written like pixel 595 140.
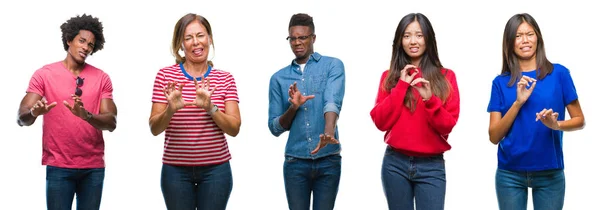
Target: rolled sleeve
pixel 334 93
pixel 275 127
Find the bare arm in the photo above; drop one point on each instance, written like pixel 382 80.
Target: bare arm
pixel 577 120
pixel 107 118
pixel 230 120
pixel 499 125
pixel 24 117
pixel 160 117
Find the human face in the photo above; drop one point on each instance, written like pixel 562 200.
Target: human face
pixel 301 40
pixel 81 46
pixel 525 42
pixel 196 42
pixel 413 42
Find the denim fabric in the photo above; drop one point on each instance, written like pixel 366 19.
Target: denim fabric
pixel 548 189
pixel 201 187
pixel 324 78
pixel 420 179
pixel 62 184
pixel 321 176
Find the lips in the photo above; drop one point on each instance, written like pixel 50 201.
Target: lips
pixel 414 49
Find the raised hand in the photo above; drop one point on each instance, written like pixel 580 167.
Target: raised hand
pixel 404 73
pixel 203 94
pixel 548 118
pixel 324 140
pixel 296 98
pixel 41 107
pixel 173 94
pixel 424 89
pixel 77 108
pixel 523 92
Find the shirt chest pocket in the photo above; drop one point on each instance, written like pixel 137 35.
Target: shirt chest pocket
pixel 318 83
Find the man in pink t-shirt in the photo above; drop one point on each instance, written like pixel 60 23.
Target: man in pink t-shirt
pixel 72 142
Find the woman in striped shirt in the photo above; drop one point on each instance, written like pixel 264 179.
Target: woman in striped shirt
pixel 195 105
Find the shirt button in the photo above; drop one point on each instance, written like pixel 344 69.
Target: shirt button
pixel 302 79
pixel 305 108
pixel 309 139
pixel 307 124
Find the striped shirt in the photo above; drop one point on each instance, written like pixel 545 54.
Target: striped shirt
pixel 192 137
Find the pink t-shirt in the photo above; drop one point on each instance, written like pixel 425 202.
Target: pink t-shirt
pixel 69 141
pixel 192 137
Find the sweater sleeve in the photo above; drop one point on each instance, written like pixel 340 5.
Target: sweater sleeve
pixel 388 105
pixel 443 116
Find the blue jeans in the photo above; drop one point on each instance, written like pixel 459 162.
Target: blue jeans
pixel 196 187
pixel 62 184
pixel 406 178
pixel 548 189
pixel 320 176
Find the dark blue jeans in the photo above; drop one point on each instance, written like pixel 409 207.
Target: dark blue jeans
pixel 320 176
pixel 411 180
pixel 196 187
pixel 548 189
pixel 62 184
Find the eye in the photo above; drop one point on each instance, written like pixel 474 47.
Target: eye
pixel 406 36
pixel 81 41
pixel 420 35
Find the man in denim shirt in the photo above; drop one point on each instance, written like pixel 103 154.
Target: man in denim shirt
pixel 305 98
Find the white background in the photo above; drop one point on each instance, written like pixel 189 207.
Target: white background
pixel 250 43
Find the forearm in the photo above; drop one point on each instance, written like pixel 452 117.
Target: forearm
pixel 228 123
pixel 288 117
pixel 25 118
pixel 573 124
pixel 104 121
pixel 330 122
pixel 160 122
pixel 499 129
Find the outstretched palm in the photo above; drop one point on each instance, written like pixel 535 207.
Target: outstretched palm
pixel 203 94
pixel 296 98
pixel 173 95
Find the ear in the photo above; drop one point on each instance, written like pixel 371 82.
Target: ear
pixel 314 38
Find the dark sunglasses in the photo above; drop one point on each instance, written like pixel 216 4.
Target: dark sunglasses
pixel 79 82
pixel 302 38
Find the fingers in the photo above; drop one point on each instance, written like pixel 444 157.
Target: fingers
pixel 316 149
pixel 196 83
pixel 544 113
pixel 420 80
pixel 309 97
pixel 532 86
pixel 67 105
pixel 295 87
pixel 181 87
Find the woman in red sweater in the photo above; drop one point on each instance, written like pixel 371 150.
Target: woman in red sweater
pixel 417 107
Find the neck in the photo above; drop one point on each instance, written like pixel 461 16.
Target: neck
pixel 73 66
pixel 416 61
pixel 196 69
pixel 528 65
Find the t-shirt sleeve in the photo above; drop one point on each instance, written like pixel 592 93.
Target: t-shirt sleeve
pixel 495 104
pixel 36 83
pixel 231 89
pixel 568 87
pixel 158 96
pixel 107 88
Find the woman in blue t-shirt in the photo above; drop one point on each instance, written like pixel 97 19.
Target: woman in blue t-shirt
pixel 527 119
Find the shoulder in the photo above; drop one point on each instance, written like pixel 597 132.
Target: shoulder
pixel 219 73
pixel 280 72
pixel 559 68
pixel 447 72
pixel 331 59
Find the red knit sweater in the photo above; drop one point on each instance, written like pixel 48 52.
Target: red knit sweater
pixel 423 132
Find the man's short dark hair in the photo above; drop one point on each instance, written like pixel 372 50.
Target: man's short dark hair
pixel 302 19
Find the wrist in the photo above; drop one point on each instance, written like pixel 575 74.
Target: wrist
pixel 518 103
pixel 558 125
pixel 88 116
pixel 214 108
pixel 31 113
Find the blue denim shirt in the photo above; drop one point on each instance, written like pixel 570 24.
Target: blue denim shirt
pixel 323 77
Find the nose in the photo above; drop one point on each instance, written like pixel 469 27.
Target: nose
pixel 196 41
pixel 413 40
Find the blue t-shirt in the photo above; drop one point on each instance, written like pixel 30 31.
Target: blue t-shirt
pixel 530 145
